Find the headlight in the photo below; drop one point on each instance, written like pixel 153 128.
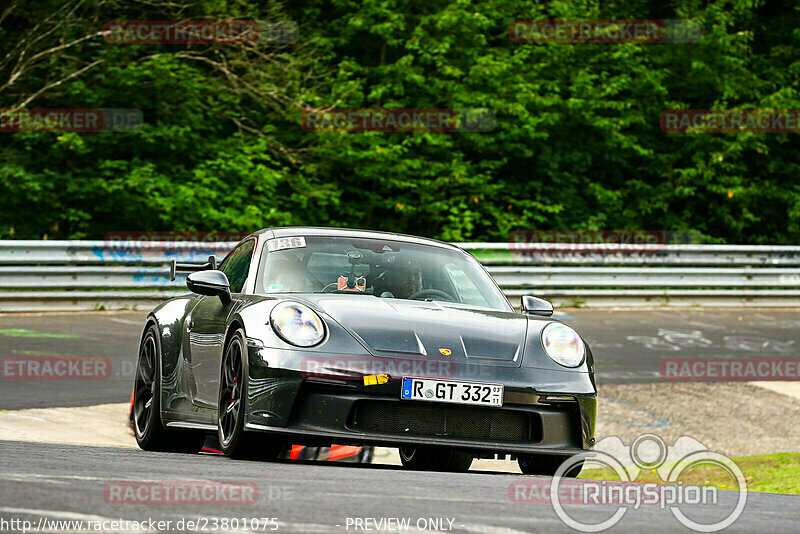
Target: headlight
pixel 297 324
pixel 563 345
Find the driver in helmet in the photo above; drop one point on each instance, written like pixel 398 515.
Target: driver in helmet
pixel 285 275
pixel 405 279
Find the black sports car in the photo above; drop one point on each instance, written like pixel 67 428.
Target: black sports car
pixel 317 336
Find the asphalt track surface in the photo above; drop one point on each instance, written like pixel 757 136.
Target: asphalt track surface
pixel 61 482
pixel 628 346
pixel 70 483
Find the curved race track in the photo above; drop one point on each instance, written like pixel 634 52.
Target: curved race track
pixel 42 482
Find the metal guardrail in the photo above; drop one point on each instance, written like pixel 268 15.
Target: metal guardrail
pixel 71 277
pixel 88 275
pixel 103 252
pixel 645 277
pixel 614 254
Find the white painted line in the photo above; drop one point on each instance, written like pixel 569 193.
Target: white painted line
pixel 395 496
pixel 489 529
pixel 26 477
pixel 310 528
pixel 23 415
pixel 784 387
pixel 126 321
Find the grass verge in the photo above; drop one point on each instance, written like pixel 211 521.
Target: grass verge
pixel 770 473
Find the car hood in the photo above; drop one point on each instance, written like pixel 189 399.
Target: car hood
pixel 419 329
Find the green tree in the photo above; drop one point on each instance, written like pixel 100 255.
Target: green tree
pixel 577 143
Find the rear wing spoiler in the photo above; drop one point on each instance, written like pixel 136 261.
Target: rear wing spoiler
pixel 176 267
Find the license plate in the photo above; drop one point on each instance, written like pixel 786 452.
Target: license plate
pixel 426 389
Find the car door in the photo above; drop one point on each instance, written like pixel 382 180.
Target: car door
pixel 208 322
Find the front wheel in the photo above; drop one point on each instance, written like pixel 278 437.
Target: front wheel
pixel 234 441
pixel 151 435
pixel 546 464
pixel 425 459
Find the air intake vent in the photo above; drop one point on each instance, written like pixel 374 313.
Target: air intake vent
pixel 461 422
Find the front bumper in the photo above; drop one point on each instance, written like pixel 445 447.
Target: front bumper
pixel 329 403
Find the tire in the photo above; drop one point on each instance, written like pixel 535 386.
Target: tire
pixel 546 464
pixel 425 459
pixel 151 435
pixel 234 441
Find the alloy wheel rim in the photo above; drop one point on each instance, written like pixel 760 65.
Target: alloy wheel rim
pixel 408 453
pixel 144 392
pixel 230 393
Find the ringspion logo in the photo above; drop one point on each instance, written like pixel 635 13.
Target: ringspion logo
pixel 538 491
pixel 647 452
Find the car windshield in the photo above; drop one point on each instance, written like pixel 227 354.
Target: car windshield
pixel 382 268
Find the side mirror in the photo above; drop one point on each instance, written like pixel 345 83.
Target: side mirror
pixel 536 306
pixel 212 283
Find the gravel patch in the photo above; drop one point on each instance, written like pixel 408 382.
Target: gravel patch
pixel 104 425
pixel 734 418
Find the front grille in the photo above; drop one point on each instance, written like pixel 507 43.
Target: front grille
pixel 466 422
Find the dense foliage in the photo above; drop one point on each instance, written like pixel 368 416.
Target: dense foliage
pixel 577 144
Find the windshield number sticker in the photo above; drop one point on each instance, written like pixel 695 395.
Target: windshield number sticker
pixel 282 243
